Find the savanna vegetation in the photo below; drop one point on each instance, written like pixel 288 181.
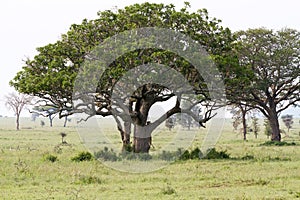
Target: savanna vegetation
pixel 35 164
pixel 259 69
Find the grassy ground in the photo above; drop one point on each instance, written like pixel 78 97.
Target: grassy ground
pixel 272 172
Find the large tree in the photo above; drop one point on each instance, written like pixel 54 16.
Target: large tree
pixel 270 66
pixel 51 74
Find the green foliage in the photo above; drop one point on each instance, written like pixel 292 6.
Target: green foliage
pixel 50 157
pixel 247 157
pixel 51 73
pixel 214 154
pixel 185 155
pixel 30 177
pixel 197 154
pixel 169 156
pixel 268 72
pixel 255 125
pixel 288 121
pixel 277 143
pixel 89 180
pixel 268 130
pixel 83 156
pixel 168 190
pixel 106 155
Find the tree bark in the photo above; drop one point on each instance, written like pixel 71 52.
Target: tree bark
pixel 18 122
pixel 65 122
pixel 244 124
pixel 126 136
pixel 142 145
pixel 50 121
pixel 274 123
pixel 142 139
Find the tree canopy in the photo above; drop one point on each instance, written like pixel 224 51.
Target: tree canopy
pixel 269 81
pixel 50 75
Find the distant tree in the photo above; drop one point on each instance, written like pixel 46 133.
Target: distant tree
pixel 255 125
pixel 187 121
pixel 66 120
pixel 42 123
pixel 63 135
pixel 17 102
pixel 170 123
pixel 269 77
pixel 46 111
pixel 268 130
pixel 34 116
pixel 239 117
pixel 288 121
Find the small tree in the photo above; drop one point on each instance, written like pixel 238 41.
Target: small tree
pixel 268 130
pixel 42 123
pixel 17 103
pixel 46 111
pixel 239 116
pixel 63 135
pixel 34 116
pixel 170 123
pixel 288 121
pixel 255 125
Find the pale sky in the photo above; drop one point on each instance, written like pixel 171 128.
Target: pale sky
pixel 28 24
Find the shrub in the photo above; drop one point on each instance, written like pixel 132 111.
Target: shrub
pixel 277 143
pixel 185 155
pixel 247 157
pixel 214 154
pixel 169 156
pixel 168 190
pixel 195 154
pixel 106 155
pixel 82 156
pixel 90 180
pixel 49 157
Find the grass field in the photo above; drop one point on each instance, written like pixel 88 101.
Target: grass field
pixel 271 172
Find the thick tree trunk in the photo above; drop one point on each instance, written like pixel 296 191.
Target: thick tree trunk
pixel 142 145
pixel 142 139
pixel 273 119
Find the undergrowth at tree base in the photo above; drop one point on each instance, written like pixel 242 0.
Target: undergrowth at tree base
pixel 110 155
pixel 278 143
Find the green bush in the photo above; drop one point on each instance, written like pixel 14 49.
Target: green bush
pixel 277 143
pixel 89 180
pixel 106 155
pixel 169 156
pixel 247 157
pixel 49 157
pixel 195 154
pixel 214 154
pixel 185 155
pixel 83 156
